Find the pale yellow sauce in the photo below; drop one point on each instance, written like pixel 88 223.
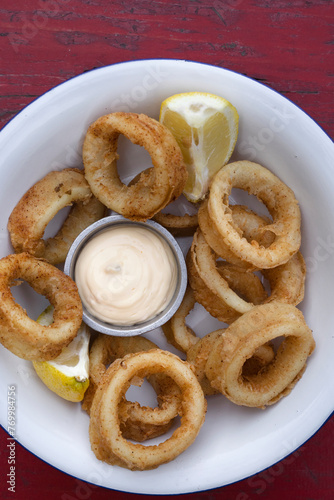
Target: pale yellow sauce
pixel 126 275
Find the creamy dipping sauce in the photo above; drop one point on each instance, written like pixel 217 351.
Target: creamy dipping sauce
pixel 126 275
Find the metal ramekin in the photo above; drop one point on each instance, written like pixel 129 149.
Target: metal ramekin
pixel 161 318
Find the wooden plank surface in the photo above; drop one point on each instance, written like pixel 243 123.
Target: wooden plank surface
pixel 287 45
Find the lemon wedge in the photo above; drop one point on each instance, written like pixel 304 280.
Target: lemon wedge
pixel 68 374
pixel 206 129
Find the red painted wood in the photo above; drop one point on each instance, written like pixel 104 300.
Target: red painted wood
pixel 285 44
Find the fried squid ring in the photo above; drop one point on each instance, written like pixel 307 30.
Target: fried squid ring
pixel 198 349
pixel 240 340
pixel 245 285
pixel 249 224
pixel 137 422
pixel 198 355
pixel 41 203
pixel 106 438
pixel 280 202
pixel 156 186
pixel 227 291
pixel 19 333
pixel 178 225
pixel 287 282
pixel 204 261
pixel 176 331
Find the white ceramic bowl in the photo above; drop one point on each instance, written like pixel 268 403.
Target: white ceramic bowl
pixel 235 442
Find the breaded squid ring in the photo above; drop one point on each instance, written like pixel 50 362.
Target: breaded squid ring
pixel 249 224
pixel 197 349
pixel 176 331
pixel 287 282
pixel 203 259
pixel 105 434
pixel 41 203
pixel 20 334
pixel 262 324
pixel 243 284
pixel 217 285
pixel 137 422
pixel 198 355
pixel 280 202
pixel 156 186
pixel 178 225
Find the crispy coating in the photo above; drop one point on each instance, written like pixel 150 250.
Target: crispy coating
pixel 178 225
pixel 155 187
pixel 263 324
pixel 176 331
pixel 106 438
pixel 246 222
pixel 280 202
pixel 20 334
pixel 287 282
pixel 228 291
pixel 203 260
pixel 198 355
pixel 241 284
pixel 38 206
pixel 137 422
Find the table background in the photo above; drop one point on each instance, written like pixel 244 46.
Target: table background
pixel 285 44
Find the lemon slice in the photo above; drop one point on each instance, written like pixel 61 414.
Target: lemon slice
pixel 68 374
pixel 206 129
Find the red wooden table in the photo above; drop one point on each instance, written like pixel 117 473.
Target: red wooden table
pixel 284 44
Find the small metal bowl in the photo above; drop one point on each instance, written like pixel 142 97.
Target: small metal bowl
pixel 161 318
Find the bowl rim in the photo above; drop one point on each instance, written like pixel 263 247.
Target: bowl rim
pixel 56 87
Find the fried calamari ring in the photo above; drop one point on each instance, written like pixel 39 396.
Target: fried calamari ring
pixel 240 340
pixel 287 282
pixel 227 291
pixel 245 285
pixel 105 434
pixel 41 203
pixel 156 186
pixel 176 331
pixel 198 355
pixel 137 422
pixel 20 334
pixel 249 224
pixel 204 261
pixel 178 225
pixel 197 349
pixel 280 202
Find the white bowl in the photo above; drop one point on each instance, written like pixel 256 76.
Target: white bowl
pixel 235 442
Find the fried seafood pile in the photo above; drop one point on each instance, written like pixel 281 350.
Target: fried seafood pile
pixel 261 355
pixel 254 361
